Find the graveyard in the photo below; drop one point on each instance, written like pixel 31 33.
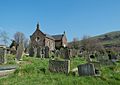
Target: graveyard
pixel 52 60
pixel 59 42
pixel 32 71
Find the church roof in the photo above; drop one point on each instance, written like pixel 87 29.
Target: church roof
pixel 58 37
pixel 53 37
pixel 49 36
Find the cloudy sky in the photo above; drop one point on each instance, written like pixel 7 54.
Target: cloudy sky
pixel 76 17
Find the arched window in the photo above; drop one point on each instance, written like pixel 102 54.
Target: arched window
pixel 37 39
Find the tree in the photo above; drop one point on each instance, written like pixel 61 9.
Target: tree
pixel 19 37
pixel 75 43
pixel 26 44
pixel 91 44
pixel 4 37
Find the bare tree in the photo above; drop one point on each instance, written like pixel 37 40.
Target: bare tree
pixel 19 37
pixel 26 44
pixel 75 43
pixel 91 44
pixel 4 37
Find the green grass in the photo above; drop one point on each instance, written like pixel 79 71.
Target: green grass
pixel 29 73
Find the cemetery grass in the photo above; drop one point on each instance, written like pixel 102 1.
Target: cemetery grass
pixel 30 73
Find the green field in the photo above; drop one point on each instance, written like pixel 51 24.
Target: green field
pixel 29 73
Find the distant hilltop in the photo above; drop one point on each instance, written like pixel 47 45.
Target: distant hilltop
pixel 111 39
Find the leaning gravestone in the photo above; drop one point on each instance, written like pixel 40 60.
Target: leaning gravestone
pixel 87 70
pixel 59 66
pixel 20 51
pixel 2 54
pixel 46 52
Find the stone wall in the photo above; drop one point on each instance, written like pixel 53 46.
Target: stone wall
pixel 59 66
pixel 50 43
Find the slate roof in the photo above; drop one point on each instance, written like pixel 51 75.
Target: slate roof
pixel 53 37
pixel 57 37
pixel 49 36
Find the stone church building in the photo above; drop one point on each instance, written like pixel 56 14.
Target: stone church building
pixel 41 40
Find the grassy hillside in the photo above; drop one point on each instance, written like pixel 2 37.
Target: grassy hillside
pixel 111 39
pixel 29 73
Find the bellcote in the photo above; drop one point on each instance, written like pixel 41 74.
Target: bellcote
pixel 38 26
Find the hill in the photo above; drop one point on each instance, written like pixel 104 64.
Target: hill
pixel 107 39
pixel 111 38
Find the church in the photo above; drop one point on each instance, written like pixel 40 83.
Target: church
pixel 42 40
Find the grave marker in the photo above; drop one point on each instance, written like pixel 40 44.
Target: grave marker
pixel 20 51
pixel 2 54
pixel 59 66
pixel 87 70
pixel 46 52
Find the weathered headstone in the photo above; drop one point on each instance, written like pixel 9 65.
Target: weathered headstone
pixel 2 54
pixel 42 52
pixel 20 51
pixel 73 52
pixel 106 62
pixel 46 52
pixel 31 51
pixel 61 52
pixel 57 53
pixel 38 52
pixel 59 66
pixel 87 70
pixel 66 53
pixel 13 50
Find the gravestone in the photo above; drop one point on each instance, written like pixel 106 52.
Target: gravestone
pixel 38 52
pixel 42 53
pixel 31 51
pixel 87 70
pixel 59 66
pixel 62 52
pixel 73 52
pixel 2 54
pixel 20 51
pixel 46 52
pixel 13 50
pixel 57 53
pixel 66 53
pixel 106 62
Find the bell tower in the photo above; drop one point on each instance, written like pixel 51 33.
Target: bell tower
pixel 38 26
